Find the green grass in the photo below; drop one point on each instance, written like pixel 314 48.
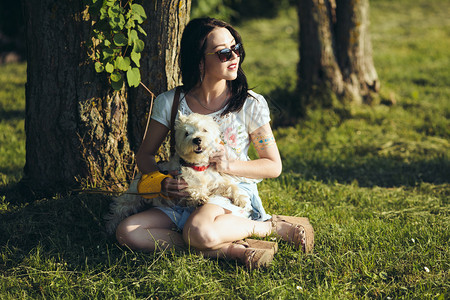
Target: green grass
pixel 375 184
pixel 12 114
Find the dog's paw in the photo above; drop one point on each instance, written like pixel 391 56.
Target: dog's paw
pixel 199 194
pixel 240 200
pixel 196 201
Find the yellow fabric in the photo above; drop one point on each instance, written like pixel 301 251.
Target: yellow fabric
pixel 150 184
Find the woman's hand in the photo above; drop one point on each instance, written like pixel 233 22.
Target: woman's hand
pixel 174 187
pixel 220 160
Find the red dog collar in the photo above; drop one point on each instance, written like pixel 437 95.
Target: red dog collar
pixel 195 167
pixel 198 168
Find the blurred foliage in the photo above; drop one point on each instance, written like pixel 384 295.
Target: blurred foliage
pixel 236 11
pixel 12 28
pixel 11 18
pixel 211 8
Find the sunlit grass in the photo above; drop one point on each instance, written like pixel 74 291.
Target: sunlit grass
pixel 374 183
pixel 271 52
pixel 12 114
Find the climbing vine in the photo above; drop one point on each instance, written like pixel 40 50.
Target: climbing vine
pixel 115 46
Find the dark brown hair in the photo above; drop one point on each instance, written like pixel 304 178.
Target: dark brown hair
pixel 192 53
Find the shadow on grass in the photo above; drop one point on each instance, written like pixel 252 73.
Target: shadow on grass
pixel 382 172
pixel 285 107
pixel 70 231
pixel 70 228
pixel 12 115
pixel 11 171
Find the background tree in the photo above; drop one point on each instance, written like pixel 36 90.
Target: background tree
pixel 12 32
pixel 77 127
pixel 335 52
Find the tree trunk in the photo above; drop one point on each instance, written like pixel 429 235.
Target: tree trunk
pixel 335 52
pixel 77 129
pixel 159 61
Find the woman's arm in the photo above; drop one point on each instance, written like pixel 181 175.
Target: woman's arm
pixel 268 165
pixel 145 157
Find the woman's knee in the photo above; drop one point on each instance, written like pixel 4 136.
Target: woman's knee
pixel 199 230
pixel 124 232
pixel 137 231
pixel 127 232
pixel 199 234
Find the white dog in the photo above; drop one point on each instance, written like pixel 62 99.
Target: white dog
pixel 196 138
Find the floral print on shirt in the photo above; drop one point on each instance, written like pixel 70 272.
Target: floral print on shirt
pixel 234 136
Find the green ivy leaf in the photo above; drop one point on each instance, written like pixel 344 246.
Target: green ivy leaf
pixel 116 76
pixel 113 11
pixel 138 46
pixel 107 53
pixel 133 77
pixel 136 57
pixel 120 40
pixel 117 85
pixel 117 21
pixel 129 24
pixel 114 29
pixel 109 68
pixel 128 14
pixel 141 30
pixel 114 22
pixel 117 51
pixel 122 63
pixel 138 13
pixel 132 36
pixel 99 67
pixel 103 12
pixel 121 21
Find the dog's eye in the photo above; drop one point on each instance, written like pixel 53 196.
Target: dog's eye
pixel 204 130
pixel 186 133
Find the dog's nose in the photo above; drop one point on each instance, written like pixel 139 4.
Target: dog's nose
pixel 197 141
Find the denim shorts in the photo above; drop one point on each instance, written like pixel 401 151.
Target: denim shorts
pixel 254 210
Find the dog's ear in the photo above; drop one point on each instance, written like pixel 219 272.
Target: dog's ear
pixel 181 118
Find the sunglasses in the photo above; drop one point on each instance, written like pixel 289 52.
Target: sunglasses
pixel 227 53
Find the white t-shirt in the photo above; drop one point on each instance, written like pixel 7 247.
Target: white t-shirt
pixel 235 133
pixel 235 127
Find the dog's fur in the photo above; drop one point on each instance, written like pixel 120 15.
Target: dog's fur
pixel 196 139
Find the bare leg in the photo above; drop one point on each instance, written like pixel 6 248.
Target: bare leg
pixel 152 230
pixel 211 227
pixel 149 230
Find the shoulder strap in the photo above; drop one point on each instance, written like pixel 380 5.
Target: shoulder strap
pixel 176 102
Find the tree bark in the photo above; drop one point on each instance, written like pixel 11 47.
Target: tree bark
pixel 160 61
pixel 335 52
pixel 77 129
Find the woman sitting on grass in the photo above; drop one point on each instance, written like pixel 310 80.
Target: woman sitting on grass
pixel 214 84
